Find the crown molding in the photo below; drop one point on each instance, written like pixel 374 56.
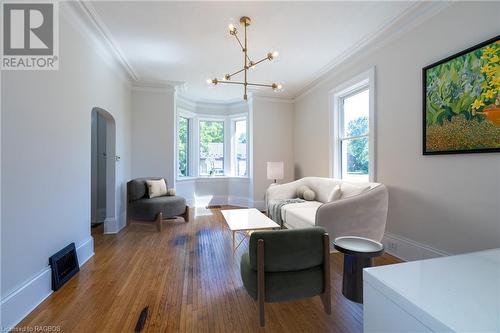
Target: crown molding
pixel 187 102
pixel 274 99
pixel 155 85
pixel 409 19
pixel 83 16
pixel 107 37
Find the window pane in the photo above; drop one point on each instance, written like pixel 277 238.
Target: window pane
pixel 355 163
pixel 355 113
pixel 211 148
pixel 183 147
pixel 240 133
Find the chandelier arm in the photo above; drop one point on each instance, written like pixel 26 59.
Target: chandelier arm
pixel 245 50
pixel 239 42
pixel 231 82
pixel 242 47
pixel 260 85
pixel 237 72
pixel 258 62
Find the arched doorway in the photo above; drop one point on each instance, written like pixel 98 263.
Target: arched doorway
pixel 103 168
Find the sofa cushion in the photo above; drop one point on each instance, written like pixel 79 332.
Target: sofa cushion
pixel 138 189
pixel 156 188
pixel 350 190
pixel 148 209
pixel 336 194
pixel 300 215
pixel 301 190
pixel 309 195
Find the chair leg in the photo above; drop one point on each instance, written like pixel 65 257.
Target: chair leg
pixel 326 297
pixel 186 214
pixel 261 288
pixel 159 218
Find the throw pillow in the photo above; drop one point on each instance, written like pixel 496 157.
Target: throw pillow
pixel 300 191
pixel 309 195
pixel 156 188
pixel 171 192
pixel 350 190
pixel 335 194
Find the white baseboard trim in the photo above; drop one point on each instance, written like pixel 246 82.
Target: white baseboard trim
pixel 85 251
pixel 238 201
pixel 408 249
pixel 110 225
pixel 19 303
pixel 259 204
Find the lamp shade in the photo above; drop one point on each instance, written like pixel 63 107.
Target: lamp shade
pixel 275 170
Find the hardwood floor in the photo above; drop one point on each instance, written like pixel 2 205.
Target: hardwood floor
pixel 188 277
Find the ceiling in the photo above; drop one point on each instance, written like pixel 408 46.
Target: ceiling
pixel 189 42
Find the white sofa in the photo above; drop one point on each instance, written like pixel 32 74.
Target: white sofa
pixel 353 214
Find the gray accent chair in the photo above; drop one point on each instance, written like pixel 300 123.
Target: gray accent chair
pixel 140 208
pixel 284 265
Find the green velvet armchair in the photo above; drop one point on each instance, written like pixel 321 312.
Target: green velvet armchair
pixel 284 265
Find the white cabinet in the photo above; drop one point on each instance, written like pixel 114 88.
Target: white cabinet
pixel 450 294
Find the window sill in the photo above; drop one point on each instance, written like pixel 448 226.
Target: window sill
pixel 211 178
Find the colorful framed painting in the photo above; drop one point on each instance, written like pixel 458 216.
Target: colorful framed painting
pixel 461 102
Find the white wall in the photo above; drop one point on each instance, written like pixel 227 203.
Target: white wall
pixel 46 164
pixel 153 137
pixel 450 203
pixel 272 141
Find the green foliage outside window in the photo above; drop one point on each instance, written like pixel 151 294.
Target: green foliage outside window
pixel 357 151
pixel 210 132
pixel 183 146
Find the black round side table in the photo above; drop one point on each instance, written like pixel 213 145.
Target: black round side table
pixel 358 254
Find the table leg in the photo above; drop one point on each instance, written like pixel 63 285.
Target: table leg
pixel 352 280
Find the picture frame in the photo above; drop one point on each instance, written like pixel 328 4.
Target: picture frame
pixel 461 102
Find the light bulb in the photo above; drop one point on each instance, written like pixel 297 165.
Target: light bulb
pixel 227 77
pixel 277 87
pixel 273 55
pixel 232 29
pixel 212 82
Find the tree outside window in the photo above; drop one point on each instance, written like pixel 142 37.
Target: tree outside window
pixel 183 147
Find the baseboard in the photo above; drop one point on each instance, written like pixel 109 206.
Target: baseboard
pixel 259 204
pixel 238 201
pixel 111 225
pixel 85 251
pixel 19 303
pixel 209 200
pixel 408 249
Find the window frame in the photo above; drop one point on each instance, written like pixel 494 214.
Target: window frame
pixel 188 148
pixel 194 143
pixel 234 145
pixel 190 116
pixel 357 84
pixel 205 118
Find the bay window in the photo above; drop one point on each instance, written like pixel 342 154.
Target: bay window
pixel 212 146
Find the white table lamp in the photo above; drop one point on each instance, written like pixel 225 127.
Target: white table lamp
pixel 275 170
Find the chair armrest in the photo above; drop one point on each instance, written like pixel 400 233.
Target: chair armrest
pixel 363 215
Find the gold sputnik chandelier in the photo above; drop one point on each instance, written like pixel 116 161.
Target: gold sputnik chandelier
pixel 247 62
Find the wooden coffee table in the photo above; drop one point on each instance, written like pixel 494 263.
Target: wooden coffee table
pixel 245 221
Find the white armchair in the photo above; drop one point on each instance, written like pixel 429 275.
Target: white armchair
pixel 363 214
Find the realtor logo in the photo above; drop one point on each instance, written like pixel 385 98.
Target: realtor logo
pixel 30 36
